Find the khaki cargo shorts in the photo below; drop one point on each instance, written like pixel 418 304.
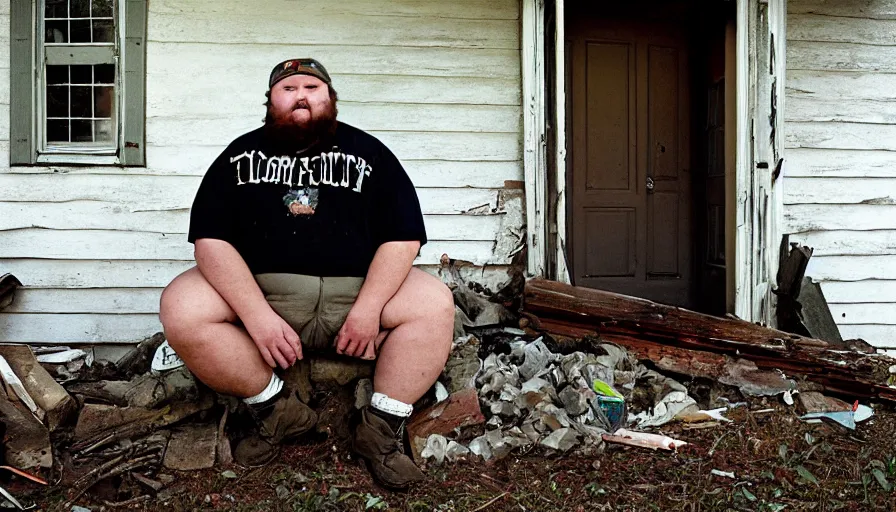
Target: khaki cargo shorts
pixel 315 307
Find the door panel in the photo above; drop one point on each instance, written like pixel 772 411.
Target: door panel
pixel 630 155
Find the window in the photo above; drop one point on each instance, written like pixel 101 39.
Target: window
pixel 77 82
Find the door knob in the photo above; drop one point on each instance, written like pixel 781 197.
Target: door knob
pixel 650 184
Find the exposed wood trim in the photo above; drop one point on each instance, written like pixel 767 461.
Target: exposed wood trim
pixel 562 271
pixel 534 153
pixel 744 234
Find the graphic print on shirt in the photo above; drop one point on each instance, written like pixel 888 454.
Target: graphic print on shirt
pixel 333 169
pixel 302 201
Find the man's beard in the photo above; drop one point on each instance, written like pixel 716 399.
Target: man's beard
pixel 288 135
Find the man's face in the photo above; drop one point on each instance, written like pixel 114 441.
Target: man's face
pixel 300 101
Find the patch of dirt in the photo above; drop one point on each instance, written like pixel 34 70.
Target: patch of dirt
pixel 779 463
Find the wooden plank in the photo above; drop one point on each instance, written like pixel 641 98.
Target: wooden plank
pixel 76 328
pixel 845 243
pixel 21 47
pixel 217 125
pixel 162 193
pixel 851 314
pixel 41 273
pixel 864 9
pixel 841 136
pixel 875 334
pixel 851 268
pixel 94 300
pixel 872 191
pixel 93 245
pixel 838 29
pixel 859 292
pixel 534 151
pixel 97 215
pixel 133 76
pixel 802 55
pixel 836 163
pixel 800 109
pixel 245 23
pixel 249 65
pixel 462 9
pixel 834 85
pixel 167 151
pixel 424 173
pixel 799 218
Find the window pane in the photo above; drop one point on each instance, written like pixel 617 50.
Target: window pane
pixel 82 130
pixel 56 9
pixel 56 32
pixel 57 130
pixel 103 31
pixel 82 105
pixel 80 31
pixel 103 130
pixel 80 8
pixel 82 75
pixel 104 74
pixel 102 8
pixel 57 101
pixel 57 74
pixel 103 97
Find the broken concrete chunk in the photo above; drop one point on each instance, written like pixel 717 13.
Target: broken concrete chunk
pixel 575 401
pixel 498 444
pixel 27 442
pixel 192 447
pixel 536 358
pixel 479 446
pixel 562 440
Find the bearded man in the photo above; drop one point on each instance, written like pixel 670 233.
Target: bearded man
pixel 305 231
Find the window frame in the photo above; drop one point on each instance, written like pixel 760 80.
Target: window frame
pixel 28 59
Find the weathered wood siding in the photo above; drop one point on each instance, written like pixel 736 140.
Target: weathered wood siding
pixel 438 82
pixel 840 175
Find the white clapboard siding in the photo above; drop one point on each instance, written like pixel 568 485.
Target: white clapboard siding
pixel 839 163
pixel 845 243
pixel 869 291
pixel 870 9
pixel 840 191
pixel 800 218
pixel 94 300
pixel 438 82
pixel 880 335
pixel 810 55
pixel 840 171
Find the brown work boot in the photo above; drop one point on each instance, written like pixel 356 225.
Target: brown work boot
pixel 382 448
pixel 281 419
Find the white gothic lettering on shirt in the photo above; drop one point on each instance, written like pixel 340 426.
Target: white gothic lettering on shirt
pixel 334 169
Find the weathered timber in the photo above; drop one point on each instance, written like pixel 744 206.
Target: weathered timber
pixel 40 385
pixel 696 344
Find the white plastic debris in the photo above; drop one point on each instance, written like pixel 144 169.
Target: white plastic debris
pixel 724 474
pixel 166 358
pixel 646 440
pixel 717 414
pixel 667 409
pixel 862 413
pixel 456 451
pixel 436 448
pixel 479 446
pixel 562 440
pixel 788 397
pixel 11 499
pixel 441 392
pixel 66 356
pixel 537 357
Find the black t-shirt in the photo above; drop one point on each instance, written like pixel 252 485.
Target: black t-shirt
pixel 322 211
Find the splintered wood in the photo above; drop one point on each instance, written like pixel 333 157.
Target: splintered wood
pixel 701 345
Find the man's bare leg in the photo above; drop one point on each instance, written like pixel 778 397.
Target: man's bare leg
pixel 421 317
pixel 199 325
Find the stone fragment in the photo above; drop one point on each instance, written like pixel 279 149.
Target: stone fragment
pixel 192 447
pixel 562 440
pixel 574 401
pixel 537 356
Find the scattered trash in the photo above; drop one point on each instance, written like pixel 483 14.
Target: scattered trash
pixel 441 392
pixel 724 474
pixel 13 382
pixel 23 474
pixel 11 499
pixel 166 358
pixel 843 418
pixel 436 448
pixel 862 413
pixel 643 440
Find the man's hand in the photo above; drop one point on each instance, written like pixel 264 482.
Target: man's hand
pixel 357 336
pixel 277 342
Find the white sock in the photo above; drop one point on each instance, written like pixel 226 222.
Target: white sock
pixel 267 393
pixel 383 403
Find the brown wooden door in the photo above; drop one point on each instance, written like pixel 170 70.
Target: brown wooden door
pixel 631 229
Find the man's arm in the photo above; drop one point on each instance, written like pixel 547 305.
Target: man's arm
pixel 390 267
pixel 224 268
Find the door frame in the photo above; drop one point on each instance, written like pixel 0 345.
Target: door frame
pixel 546 244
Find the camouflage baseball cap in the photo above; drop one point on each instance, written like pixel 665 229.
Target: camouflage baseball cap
pixel 298 67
